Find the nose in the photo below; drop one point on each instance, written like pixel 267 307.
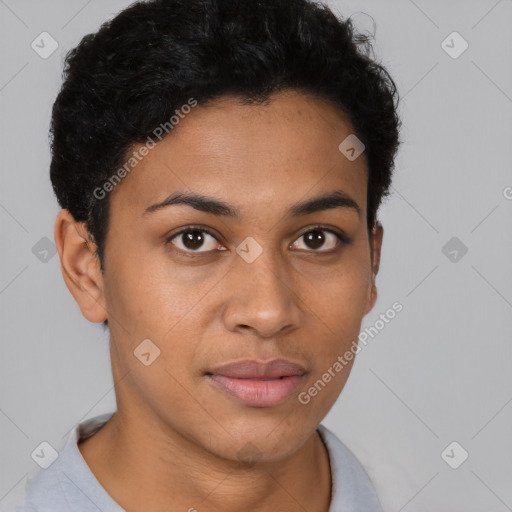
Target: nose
pixel 262 297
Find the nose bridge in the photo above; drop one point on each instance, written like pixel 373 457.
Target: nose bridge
pixel 263 267
pixel 262 293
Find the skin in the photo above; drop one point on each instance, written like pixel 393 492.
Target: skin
pixel 176 441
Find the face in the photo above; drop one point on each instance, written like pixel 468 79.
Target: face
pixel 268 274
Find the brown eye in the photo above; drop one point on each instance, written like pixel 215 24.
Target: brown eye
pixel 194 239
pixel 319 238
pixel 314 239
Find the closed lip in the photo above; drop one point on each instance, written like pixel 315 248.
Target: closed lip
pixel 253 369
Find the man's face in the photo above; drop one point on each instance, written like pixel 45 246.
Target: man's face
pixel 263 285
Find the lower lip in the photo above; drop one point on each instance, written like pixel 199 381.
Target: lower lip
pixel 258 393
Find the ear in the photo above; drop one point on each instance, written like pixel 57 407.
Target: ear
pixel 375 247
pixel 80 266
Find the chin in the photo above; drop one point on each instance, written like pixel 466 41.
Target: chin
pixel 266 445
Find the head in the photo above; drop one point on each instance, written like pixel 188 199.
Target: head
pixel 209 203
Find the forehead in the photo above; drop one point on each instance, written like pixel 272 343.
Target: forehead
pixel 255 155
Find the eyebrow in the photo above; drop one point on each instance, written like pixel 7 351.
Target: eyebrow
pixel 211 205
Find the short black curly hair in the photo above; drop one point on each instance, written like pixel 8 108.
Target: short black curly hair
pixel 128 78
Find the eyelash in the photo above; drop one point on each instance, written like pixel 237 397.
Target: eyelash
pixel 342 238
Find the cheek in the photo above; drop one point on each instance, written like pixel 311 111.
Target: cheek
pixel 337 313
pixel 149 301
pixel 147 295
pixel 337 303
pixel 340 292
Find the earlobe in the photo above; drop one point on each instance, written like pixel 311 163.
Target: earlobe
pixel 80 266
pixel 375 247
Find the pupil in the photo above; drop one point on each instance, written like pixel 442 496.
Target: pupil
pixel 315 238
pixel 193 239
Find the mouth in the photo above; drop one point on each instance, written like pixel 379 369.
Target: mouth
pixel 258 384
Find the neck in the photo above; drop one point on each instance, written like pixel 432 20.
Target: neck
pixel 150 472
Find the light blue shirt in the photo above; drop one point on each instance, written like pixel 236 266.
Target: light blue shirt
pixel 68 485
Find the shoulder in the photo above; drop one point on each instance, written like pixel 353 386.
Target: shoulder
pixel 67 484
pixel 45 491
pixel 352 489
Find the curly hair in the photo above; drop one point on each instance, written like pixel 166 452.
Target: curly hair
pixel 129 77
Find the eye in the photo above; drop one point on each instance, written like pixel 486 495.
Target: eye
pixel 318 237
pixel 192 239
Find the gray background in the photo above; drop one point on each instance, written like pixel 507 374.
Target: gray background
pixel 439 372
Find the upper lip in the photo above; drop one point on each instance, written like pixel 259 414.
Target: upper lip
pixel 252 369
